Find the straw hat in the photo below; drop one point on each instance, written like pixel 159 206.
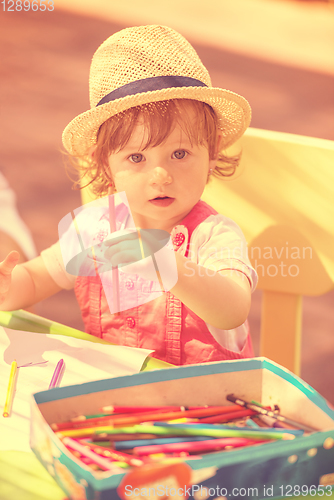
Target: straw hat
pixel 144 64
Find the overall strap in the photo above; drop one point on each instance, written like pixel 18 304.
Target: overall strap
pixel 198 214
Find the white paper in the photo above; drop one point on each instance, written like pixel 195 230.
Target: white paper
pixel 37 355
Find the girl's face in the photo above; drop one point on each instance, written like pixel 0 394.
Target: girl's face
pixel 162 183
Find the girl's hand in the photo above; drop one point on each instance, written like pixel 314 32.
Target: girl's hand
pixel 6 268
pixel 133 246
pixel 129 249
pixel 137 252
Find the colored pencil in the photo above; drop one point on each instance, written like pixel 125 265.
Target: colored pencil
pixel 57 374
pixel 128 445
pixel 197 425
pixel 263 411
pixel 83 423
pixel 113 454
pixel 137 409
pixel 176 431
pixel 10 390
pixel 125 420
pixel 252 424
pixel 195 447
pixel 115 277
pixel 228 416
pixel 97 459
pixel 111 411
pixel 120 437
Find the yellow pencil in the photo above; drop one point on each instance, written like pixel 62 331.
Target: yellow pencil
pixel 11 390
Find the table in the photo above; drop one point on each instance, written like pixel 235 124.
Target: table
pixel 22 476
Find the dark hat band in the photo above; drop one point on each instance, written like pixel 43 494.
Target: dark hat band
pixel 149 85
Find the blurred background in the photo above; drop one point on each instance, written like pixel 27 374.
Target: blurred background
pixel 279 54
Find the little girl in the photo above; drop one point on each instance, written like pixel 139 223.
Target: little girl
pixel 156 131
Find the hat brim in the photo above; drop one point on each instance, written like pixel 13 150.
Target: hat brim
pixel 233 112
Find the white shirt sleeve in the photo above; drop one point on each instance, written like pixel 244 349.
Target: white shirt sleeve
pixel 218 243
pixel 91 226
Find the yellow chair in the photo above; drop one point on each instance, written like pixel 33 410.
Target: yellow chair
pixel 283 199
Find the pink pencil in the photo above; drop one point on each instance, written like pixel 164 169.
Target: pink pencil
pixel 114 455
pixel 58 374
pixel 115 280
pixel 137 409
pixel 194 446
pixel 86 452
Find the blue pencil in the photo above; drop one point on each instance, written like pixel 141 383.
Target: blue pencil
pixel 295 432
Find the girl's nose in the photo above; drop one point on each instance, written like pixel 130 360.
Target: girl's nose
pixel 160 176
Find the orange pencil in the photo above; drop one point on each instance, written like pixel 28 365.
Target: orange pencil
pixel 158 416
pixel 82 422
pixel 121 420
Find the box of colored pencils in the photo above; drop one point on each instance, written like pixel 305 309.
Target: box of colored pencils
pixel 238 429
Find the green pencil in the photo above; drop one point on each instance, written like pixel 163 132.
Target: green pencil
pixel 175 431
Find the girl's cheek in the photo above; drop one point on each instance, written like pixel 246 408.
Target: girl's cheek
pixel 126 176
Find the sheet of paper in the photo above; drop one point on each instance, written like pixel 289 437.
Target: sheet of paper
pixel 37 355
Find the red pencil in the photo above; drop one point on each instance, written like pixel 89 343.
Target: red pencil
pixel 158 416
pixel 216 419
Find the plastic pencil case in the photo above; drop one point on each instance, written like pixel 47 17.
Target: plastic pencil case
pixel 273 469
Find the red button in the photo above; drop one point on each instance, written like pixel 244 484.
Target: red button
pixel 101 235
pixel 130 322
pixel 129 284
pixel 178 239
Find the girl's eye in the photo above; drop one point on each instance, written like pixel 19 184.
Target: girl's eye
pixel 137 158
pixel 179 154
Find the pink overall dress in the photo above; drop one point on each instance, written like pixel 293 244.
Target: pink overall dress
pixel 164 324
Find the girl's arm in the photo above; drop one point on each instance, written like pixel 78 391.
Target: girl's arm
pixel 221 299
pixel 25 284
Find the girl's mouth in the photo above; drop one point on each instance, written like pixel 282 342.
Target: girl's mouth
pixel 162 201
